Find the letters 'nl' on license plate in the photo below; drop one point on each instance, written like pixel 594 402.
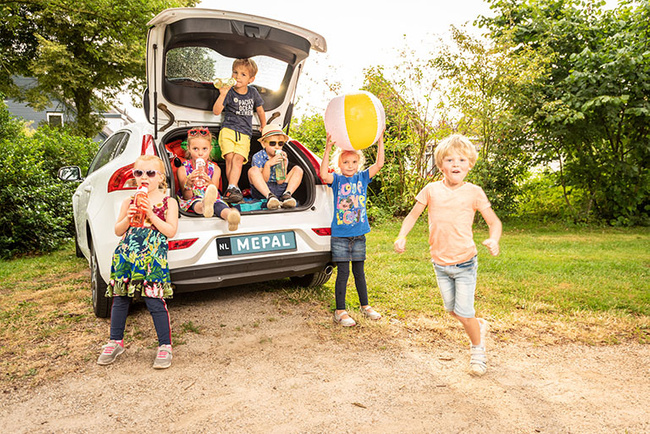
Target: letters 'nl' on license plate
pixel 248 244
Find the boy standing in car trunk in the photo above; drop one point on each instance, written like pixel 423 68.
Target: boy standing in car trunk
pixel 238 103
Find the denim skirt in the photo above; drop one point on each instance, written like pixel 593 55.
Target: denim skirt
pixel 346 249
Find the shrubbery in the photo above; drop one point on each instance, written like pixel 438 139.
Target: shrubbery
pixel 36 206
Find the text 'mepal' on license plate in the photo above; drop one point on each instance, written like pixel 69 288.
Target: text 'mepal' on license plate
pixel 230 246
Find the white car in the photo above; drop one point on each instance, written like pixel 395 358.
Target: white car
pixel 187 50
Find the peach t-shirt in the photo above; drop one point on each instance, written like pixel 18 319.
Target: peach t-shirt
pixel 451 216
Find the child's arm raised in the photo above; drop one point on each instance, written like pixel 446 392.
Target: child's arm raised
pixel 495 230
pixel 325 174
pixel 407 225
pixel 219 103
pixel 372 170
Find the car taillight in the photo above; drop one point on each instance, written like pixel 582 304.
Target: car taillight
pixel 181 244
pixel 310 156
pixel 323 232
pixel 122 179
pixel 148 145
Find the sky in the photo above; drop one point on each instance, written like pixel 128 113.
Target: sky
pixel 359 34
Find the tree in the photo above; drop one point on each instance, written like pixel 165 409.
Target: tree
pixel 83 52
pixel 190 62
pixel 591 112
pixel 483 83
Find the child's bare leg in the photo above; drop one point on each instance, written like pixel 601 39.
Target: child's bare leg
pixel 294 178
pixel 233 170
pixel 256 180
pixel 472 328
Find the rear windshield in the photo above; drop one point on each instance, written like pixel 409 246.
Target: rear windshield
pixel 204 65
pixel 190 73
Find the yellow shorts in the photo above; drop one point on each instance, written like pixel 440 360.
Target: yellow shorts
pixel 234 141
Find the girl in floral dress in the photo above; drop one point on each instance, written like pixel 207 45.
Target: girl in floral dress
pixel 199 193
pixel 139 267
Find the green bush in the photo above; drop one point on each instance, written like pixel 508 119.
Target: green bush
pixel 542 200
pixel 36 206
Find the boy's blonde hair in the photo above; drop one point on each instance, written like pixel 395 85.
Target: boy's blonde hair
pixel 246 63
pixel 161 167
pixel 338 153
pixel 457 143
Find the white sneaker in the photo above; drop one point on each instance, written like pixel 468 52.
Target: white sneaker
pixel 477 361
pixel 345 322
pixel 369 312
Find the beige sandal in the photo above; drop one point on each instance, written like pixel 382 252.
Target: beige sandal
pixel 345 322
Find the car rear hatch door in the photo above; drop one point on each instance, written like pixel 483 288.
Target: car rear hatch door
pixel 189 48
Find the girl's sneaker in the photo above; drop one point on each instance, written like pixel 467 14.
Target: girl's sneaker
pixel 110 351
pixel 345 322
pixel 369 312
pixel 163 358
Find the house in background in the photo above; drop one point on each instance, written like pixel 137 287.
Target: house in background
pixel 55 114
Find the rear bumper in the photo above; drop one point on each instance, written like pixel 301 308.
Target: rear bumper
pixel 247 271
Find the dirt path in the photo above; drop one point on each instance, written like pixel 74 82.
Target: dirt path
pixel 258 365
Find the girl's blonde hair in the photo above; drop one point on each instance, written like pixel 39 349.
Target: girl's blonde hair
pixel 455 143
pixel 161 167
pixel 335 161
pixel 209 137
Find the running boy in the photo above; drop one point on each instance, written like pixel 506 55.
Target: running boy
pixel 452 204
pixel 238 103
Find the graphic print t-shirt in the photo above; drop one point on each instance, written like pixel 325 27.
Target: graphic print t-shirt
pixel 239 109
pixel 350 218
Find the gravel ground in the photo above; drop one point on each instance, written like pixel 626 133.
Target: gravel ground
pixel 257 363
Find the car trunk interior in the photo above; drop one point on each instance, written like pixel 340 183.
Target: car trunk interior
pixel 304 195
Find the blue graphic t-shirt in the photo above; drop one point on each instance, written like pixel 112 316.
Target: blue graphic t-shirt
pixel 238 110
pixel 350 219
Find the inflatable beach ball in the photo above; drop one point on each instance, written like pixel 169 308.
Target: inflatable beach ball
pixel 355 120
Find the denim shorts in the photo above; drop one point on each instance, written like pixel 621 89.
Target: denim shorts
pixel 275 188
pixel 346 249
pixel 457 285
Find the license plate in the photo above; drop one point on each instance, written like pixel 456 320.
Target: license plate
pixel 248 244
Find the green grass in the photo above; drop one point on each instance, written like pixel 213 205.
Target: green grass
pixel 549 285
pixel 564 278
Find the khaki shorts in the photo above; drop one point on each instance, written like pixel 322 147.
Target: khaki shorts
pixel 234 141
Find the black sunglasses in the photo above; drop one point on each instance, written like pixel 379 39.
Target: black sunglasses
pixel 280 144
pixel 150 173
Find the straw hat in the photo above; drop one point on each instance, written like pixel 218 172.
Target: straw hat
pixel 272 130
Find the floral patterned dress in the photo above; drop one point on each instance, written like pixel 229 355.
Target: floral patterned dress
pixel 139 266
pixel 197 192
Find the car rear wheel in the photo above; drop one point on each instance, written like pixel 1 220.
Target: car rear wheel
pixel 101 303
pixel 314 279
